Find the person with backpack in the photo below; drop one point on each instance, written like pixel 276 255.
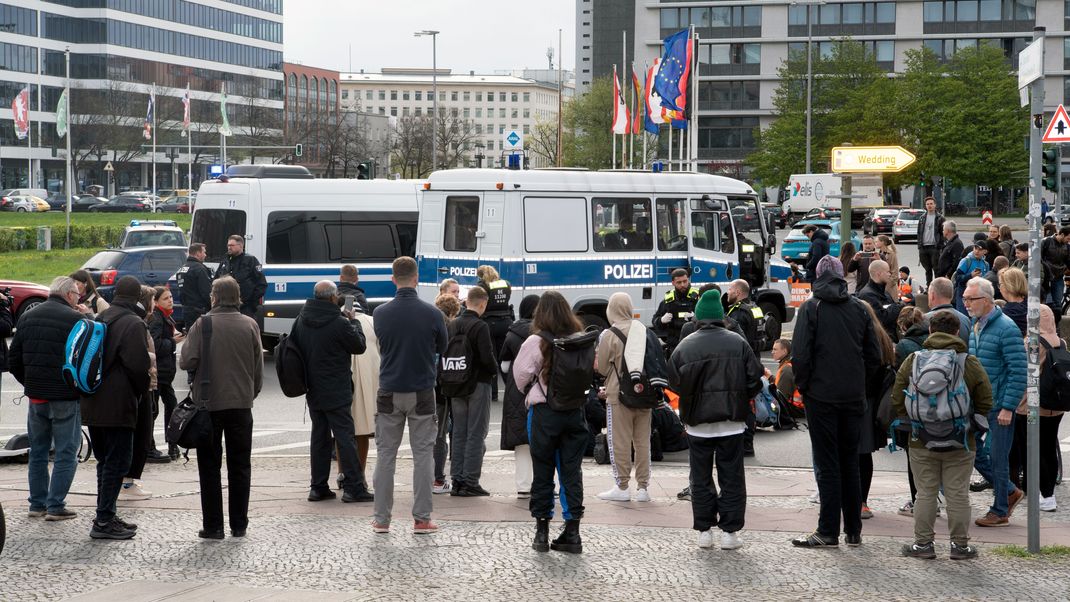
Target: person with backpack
pixel 132 490
pixel 716 373
pixel 88 289
pixel 913 331
pixel 36 359
pixel 1054 393
pixel 555 368
pixel 630 359
pixel 997 343
pixel 750 319
pixel 943 372
pixel 514 414
pixel 973 265
pixel 450 306
pixel 871 437
pixel 499 312
pixel 465 374
pixel 110 412
pixel 834 340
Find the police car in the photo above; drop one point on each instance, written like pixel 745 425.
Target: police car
pixel 589 234
pixel 152 233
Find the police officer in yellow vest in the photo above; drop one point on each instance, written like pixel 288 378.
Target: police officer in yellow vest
pixel 499 313
pixel 676 309
pixel 749 316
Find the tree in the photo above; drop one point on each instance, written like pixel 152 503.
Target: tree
pixel 455 136
pixel 587 140
pixel 411 154
pixel 542 141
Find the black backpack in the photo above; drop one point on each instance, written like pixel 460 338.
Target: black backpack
pixel 635 393
pixel 456 368
pixel 290 365
pixel 1055 378
pixel 571 369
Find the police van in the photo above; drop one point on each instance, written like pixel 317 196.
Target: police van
pixel 589 234
pixel 304 229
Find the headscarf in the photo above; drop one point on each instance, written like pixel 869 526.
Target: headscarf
pixel 1048 331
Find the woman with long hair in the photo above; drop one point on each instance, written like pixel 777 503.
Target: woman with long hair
pixel 878 379
pixel 847 253
pixel 1007 242
pixel 132 490
pixel 557 438
pixel 165 336
pixel 913 330
pixel 88 290
pixel 888 252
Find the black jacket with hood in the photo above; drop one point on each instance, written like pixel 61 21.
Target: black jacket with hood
pixel 485 365
pixel 949 257
pixel 716 374
pixel 514 411
pixel 348 289
pixel 37 352
pixel 126 368
pixel 328 341
pixel 833 342
pixel 887 309
pixel 819 247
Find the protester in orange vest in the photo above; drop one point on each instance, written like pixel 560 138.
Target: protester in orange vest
pixel 906 286
pixel 785 376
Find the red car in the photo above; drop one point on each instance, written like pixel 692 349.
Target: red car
pixel 26 295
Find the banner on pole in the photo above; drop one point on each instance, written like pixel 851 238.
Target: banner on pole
pixel 61 115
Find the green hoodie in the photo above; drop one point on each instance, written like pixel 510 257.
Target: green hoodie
pixel 975 377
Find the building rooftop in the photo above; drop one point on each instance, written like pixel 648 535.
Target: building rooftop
pixel 445 76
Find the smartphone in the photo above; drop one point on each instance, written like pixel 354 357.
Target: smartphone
pixel 348 307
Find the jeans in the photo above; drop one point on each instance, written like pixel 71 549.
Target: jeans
pixel 471 421
pixel 834 433
pixel 557 441
pixel 338 422
pixel 710 508
pixel 237 426
pixel 993 461
pixel 442 438
pixel 57 422
pixel 112 447
pixel 1056 292
pixel 393 411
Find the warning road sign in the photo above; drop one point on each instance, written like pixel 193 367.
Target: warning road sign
pixel 108 167
pixel 1059 128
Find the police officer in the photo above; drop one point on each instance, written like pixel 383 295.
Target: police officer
pixel 750 319
pixel 247 271
pixel 499 313
pixel 677 308
pixel 194 285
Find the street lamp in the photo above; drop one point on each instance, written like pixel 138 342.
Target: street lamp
pixel 479 154
pixel 809 68
pixel 434 92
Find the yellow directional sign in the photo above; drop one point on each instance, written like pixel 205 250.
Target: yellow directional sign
pixel 863 159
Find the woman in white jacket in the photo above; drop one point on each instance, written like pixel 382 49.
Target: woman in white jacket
pixel 365 385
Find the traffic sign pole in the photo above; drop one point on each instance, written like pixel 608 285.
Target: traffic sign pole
pixel 1036 189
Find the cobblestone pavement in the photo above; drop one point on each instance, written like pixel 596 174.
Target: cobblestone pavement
pixel 492 561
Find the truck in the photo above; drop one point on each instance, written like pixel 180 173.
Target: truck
pixel 822 190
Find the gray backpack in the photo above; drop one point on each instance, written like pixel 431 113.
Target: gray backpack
pixel 937 401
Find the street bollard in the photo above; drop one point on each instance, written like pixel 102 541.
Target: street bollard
pixel 44 238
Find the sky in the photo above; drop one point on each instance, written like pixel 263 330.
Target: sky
pixel 479 35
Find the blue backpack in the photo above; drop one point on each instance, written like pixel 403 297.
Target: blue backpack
pixel 84 356
pixel 766 407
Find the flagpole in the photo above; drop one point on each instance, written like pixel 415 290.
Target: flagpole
pixel 69 188
pixel 612 133
pixel 646 72
pixel 29 143
pixel 624 138
pixel 153 93
pixel 631 122
pixel 669 159
pixel 694 98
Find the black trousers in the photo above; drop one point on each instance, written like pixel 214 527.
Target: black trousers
pixel 164 394
pixel 834 433
pixel 112 448
pixel 1049 454
pixel 557 440
pixel 338 422
pixel 236 426
pixel 709 508
pixel 499 327
pixel 930 256
pixel 142 436
pixel 748 435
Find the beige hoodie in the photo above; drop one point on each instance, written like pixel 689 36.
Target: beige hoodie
pixel 610 347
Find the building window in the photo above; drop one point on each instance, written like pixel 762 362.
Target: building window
pixel 453 96
pixel 345 94
pixel 467 96
pixel 394 111
pixel 479 97
pixel 369 95
pixel 419 95
pixel 393 95
pixel 382 94
pixel 479 113
pixel 404 95
pixel 527 96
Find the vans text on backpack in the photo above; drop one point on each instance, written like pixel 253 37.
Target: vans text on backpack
pixel 937 401
pixel 571 370
pixel 456 368
pixel 84 355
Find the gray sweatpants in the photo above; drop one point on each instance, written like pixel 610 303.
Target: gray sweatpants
pixel 471 421
pixel 393 410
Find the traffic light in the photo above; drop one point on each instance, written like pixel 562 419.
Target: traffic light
pixel 921 180
pixel 1050 167
pixel 299 149
pixel 364 172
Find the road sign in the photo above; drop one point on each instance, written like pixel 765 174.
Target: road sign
pixel 1059 128
pixel 108 167
pixel 870 159
pixel 1031 63
pixel 513 140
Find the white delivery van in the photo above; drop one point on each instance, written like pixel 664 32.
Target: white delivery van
pixel 589 234
pixel 822 190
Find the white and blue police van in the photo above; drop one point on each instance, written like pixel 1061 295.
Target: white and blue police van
pixel 589 234
pixel 304 229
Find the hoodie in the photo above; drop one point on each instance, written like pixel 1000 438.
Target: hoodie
pixel 328 340
pixel 644 353
pixel 819 247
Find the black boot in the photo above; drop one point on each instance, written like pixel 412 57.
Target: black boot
pixel 569 538
pixel 542 535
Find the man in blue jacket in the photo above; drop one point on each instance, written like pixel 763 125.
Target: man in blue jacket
pixel 997 342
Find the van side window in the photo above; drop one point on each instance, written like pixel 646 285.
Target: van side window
pixel 462 222
pixel 555 225
pixel 672 225
pixel 712 231
pixel 622 225
pixel 332 236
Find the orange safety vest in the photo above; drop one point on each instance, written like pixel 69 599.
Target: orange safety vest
pixel 796 397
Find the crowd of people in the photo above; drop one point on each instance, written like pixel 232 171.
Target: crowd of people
pixel 856 367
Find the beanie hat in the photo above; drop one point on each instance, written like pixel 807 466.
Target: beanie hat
pixel 709 307
pixel 527 307
pixel 828 262
pixel 980 236
pixel 904 269
pixel 128 288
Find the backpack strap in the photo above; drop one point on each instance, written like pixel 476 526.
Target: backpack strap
pixel 620 335
pixel 204 368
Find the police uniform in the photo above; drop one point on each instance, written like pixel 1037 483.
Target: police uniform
pixel 499 317
pixel 194 290
pixel 250 276
pixel 682 308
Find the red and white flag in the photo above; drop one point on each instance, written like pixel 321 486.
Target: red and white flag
pixel 20 107
pixel 654 112
pixel 185 112
pixel 621 120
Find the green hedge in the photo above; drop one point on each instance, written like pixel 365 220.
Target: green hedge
pixel 82 237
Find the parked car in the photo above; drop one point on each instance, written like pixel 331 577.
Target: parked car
pixel 86 202
pixel 18 204
pixel 38 192
pixel 880 220
pixel 819 213
pixel 151 265
pixel 796 247
pixel 24 295
pixel 906 224
pixel 1063 217
pixel 57 201
pixel 122 203
pixel 175 204
pixel 39 204
pixel 152 233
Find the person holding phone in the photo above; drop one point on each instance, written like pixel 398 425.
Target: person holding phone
pixel 971 266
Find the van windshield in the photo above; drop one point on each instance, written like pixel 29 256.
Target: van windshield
pixel 213 226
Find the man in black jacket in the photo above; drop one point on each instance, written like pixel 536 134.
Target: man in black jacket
pixel 951 253
pixel 36 360
pixel 930 238
pixel 676 309
pixel 833 342
pixel 348 279
pixel 194 286
pixel 716 374
pixel 471 412
pixel 876 294
pixel 111 411
pixel 247 271
pixel 328 340
pixel 819 247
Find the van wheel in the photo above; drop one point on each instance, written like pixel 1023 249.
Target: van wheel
pixel 773 327
pixel 593 320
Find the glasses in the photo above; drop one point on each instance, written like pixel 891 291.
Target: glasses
pixel 972 299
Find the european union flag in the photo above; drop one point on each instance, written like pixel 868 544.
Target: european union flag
pixel 671 82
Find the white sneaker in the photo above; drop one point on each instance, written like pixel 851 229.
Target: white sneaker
pixel 731 541
pixel 1047 504
pixel 616 494
pixel 132 492
pixel 815 498
pixel 440 487
pixel 705 538
pixel 642 495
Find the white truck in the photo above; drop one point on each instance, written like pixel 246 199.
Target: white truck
pixel 822 190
